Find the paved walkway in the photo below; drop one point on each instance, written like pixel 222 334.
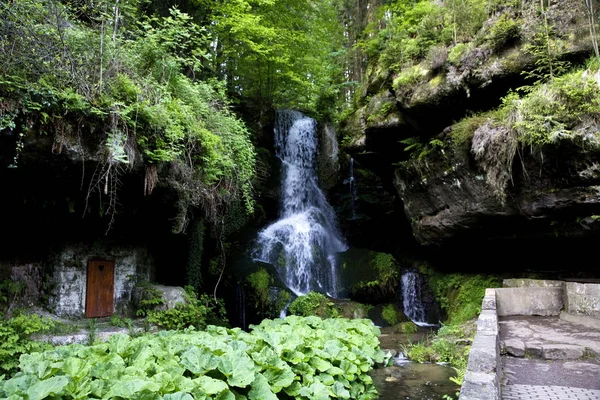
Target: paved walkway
pixel 550 359
pixel 527 392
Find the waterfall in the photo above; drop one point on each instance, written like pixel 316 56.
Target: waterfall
pixel 303 243
pixel 412 300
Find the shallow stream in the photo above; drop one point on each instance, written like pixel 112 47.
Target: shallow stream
pixel 408 380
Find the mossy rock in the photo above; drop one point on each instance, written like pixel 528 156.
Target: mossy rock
pixel 387 315
pixel 407 327
pixel 369 276
pixel 352 309
pixel 381 111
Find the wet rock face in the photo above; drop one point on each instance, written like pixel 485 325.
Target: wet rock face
pixel 448 196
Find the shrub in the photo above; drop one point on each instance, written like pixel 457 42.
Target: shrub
pixel 15 339
pixel 503 32
pixel 314 303
pixel 195 312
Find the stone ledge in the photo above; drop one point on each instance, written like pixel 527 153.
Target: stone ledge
pixel 545 301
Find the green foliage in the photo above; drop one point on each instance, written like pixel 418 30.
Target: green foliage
pixel 385 281
pixel 194 265
pixel 195 312
pixel 390 314
pixel 463 130
pixel 459 295
pixel 314 303
pixel 15 339
pixel 259 282
pixel 295 358
pixel 410 76
pixel 10 292
pixel 150 299
pixel 121 322
pixel 456 52
pixel 504 31
pixel 134 83
pixel 550 111
pixel 419 149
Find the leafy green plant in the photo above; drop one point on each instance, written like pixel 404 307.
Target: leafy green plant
pixel 15 339
pixel 296 358
pixel 385 281
pixel 195 312
pixel 150 299
pixel 121 322
pixel 313 303
pixel 92 331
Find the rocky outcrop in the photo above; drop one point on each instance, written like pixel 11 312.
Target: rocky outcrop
pixel 448 196
pixel 492 185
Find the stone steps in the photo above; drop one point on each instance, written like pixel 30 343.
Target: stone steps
pixel 543 351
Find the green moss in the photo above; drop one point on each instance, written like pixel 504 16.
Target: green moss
pixel 455 54
pixel 459 295
pixel 462 131
pixel 504 31
pixel 410 76
pixel 436 81
pixel 259 282
pixel 407 327
pixel 390 314
pixel 314 303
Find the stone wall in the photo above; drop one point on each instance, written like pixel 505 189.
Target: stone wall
pixel 529 301
pixel 582 299
pixel 68 274
pixel 482 378
pixel 577 298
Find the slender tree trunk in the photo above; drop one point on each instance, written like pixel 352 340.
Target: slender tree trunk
pixel 589 6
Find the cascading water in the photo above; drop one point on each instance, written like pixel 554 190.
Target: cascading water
pixel 412 299
pixel 303 243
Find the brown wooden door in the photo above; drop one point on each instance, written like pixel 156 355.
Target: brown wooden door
pixel 100 288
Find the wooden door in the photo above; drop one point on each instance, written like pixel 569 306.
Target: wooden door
pixel 99 300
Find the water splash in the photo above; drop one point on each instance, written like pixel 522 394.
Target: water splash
pixel 412 298
pixel 303 243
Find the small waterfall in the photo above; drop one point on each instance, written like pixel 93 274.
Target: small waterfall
pixel 303 243
pixel 412 300
pixel 352 187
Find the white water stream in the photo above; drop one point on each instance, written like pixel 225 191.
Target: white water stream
pixel 304 242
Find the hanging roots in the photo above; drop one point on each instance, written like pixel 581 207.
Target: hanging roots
pixel 150 180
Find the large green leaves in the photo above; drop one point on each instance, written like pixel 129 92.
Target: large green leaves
pixel 300 357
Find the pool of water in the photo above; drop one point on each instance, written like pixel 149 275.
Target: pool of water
pixel 413 381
